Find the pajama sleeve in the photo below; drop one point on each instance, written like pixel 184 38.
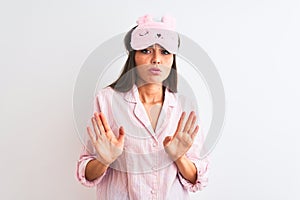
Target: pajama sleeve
pixel 81 167
pixel 202 176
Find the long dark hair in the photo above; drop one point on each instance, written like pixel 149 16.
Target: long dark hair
pixel 128 76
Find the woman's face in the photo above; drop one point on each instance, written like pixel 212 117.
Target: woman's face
pixel 153 64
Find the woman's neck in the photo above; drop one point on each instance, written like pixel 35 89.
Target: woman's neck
pixel 151 93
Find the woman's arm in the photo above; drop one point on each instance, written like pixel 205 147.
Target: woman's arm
pixel 202 166
pixel 180 143
pixel 94 170
pixel 187 169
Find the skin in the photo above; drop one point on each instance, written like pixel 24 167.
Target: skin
pixel 102 130
pixel 153 57
pixel 151 95
pixel 149 85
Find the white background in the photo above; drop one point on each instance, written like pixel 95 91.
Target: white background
pixel 254 44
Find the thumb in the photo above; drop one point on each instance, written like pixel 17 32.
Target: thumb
pixel 167 140
pixel 121 134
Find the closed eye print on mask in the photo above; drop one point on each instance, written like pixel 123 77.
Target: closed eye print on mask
pixel 143 34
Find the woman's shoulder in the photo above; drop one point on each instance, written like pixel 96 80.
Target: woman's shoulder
pixel 104 94
pixel 188 103
pixel 179 97
pixel 106 91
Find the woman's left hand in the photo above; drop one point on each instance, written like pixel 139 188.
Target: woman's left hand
pixel 178 144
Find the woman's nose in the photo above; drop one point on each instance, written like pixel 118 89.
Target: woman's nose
pixel 156 59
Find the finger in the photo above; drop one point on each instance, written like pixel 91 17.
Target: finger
pixel 106 126
pixel 188 122
pixel 192 125
pixel 96 130
pixel 194 133
pixel 167 140
pixel 99 124
pixel 104 121
pixel 92 136
pixel 180 122
pixel 121 135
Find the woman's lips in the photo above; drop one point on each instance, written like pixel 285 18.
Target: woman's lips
pixel 155 71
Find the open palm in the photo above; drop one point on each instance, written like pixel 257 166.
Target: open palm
pixel 106 144
pixel 183 138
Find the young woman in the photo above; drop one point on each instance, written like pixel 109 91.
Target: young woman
pixel 145 147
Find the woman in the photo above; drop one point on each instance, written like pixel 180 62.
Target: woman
pixel 144 148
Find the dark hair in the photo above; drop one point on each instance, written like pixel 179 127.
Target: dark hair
pixel 128 75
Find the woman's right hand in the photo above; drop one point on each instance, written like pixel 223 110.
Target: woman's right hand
pixel 107 146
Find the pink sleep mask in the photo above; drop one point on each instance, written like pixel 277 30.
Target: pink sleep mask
pixel 149 32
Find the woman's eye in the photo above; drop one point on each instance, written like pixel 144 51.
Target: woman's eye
pixel 165 52
pixel 145 51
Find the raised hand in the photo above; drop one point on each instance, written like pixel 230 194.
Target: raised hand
pixel 107 146
pixel 178 144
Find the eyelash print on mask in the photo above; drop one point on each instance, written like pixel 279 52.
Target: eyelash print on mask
pixel 140 34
